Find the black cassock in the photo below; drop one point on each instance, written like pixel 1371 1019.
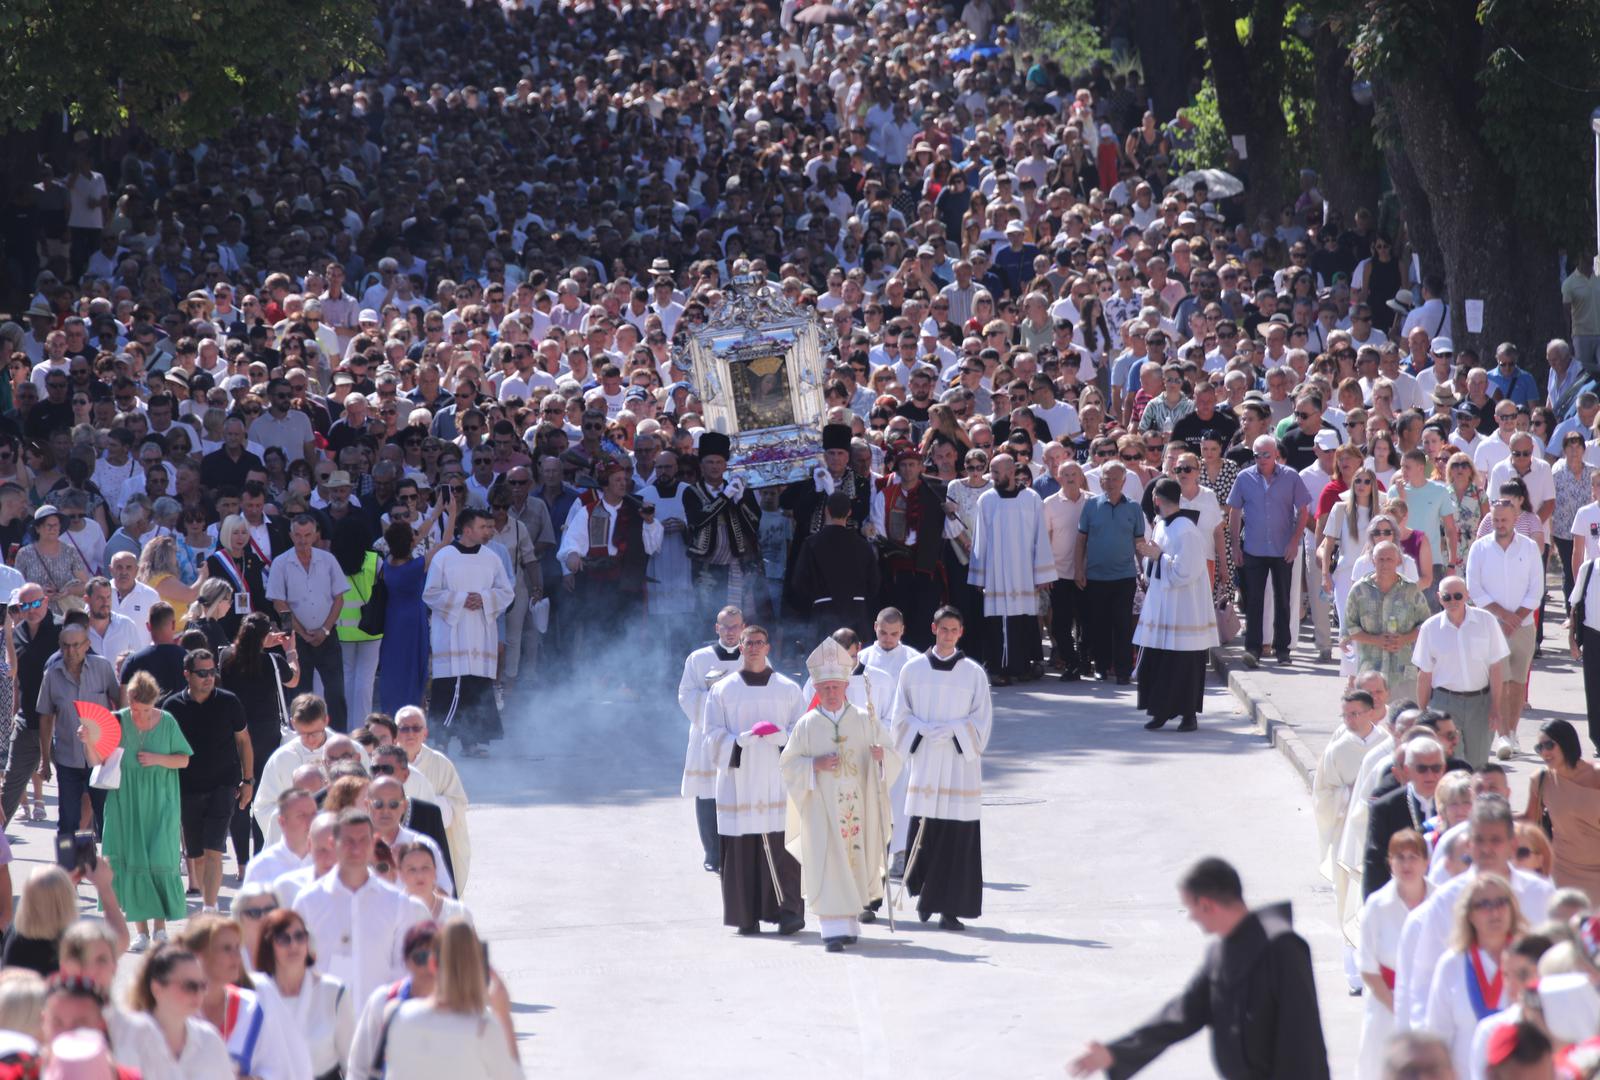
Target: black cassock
pixel 1256 994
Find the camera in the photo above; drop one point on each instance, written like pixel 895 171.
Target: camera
pixel 76 851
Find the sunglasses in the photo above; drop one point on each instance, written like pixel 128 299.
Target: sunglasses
pixel 257 912
pixel 188 986
pixel 1427 770
pixel 29 605
pixel 1382 532
pixel 204 673
pixel 1495 903
pixel 1130 457
pixel 1544 746
pixel 1362 482
pixel 1452 597
pixel 419 957
pixel 1185 470
pixel 291 937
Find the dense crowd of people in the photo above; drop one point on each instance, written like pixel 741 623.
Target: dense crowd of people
pixel 320 439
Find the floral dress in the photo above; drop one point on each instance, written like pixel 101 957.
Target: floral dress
pixel 1571 493
pixel 1470 507
pixel 1222 485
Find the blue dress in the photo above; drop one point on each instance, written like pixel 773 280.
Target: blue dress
pixel 403 656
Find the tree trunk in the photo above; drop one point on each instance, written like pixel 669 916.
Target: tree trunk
pixel 1165 53
pixel 1341 133
pixel 1487 254
pixel 1249 78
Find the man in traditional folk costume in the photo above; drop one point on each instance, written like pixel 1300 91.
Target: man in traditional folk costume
pixel 724 535
pixel 702 669
pixel 940 723
pixel 747 719
pixel 467 586
pixel 838 773
pixel 1177 623
pixel 909 523
pixel 1011 561
pixel 606 546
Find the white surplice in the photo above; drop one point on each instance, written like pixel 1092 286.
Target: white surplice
pixel 750 796
pixel 890 660
pixel 1331 793
pixel 702 669
pixel 277 776
pixel 1011 555
pixel 952 713
pixel 837 820
pixel 1177 614
pixel 465 642
pixel 359 934
pixel 442 774
pixel 671 584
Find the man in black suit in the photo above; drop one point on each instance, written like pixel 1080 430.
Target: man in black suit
pixel 421 816
pixel 1444 732
pixel 835 573
pixel 1407 807
pixel 805 501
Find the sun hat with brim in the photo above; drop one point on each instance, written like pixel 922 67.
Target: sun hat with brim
pixel 1403 302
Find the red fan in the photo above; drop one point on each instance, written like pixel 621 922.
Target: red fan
pixel 766 727
pixel 104 730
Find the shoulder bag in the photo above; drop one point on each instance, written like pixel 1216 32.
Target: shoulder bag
pixel 1544 812
pixel 375 612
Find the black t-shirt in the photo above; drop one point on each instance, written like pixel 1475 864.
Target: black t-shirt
pixel 1299 449
pixel 32 656
pixel 1191 429
pixel 209 726
pixel 35 954
pixel 163 662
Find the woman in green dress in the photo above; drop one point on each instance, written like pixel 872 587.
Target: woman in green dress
pixel 144 812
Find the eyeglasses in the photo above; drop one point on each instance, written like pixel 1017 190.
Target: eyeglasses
pixel 258 912
pixel 291 937
pixel 1495 903
pixel 1428 769
pixel 413 729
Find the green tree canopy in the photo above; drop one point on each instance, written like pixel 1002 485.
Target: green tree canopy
pixel 178 69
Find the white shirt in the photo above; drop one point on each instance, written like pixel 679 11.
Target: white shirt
pixel 359 933
pixel 1512 577
pixel 136 607
pixel 1586 580
pixel 204 1056
pixel 1585 546
pixel 1459 657
pixel 120 636
pixel 1540 481
pixel 272 862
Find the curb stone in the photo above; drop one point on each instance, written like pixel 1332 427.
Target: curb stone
pixel 1265 715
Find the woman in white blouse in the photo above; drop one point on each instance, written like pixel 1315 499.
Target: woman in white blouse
pixel 172 1041
pixel 1381 920
pixel 463 1028
pixel 419 876
pixel 1467 982
pixel 317 1005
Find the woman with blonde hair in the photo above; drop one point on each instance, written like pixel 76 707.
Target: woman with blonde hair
pixel 209 612
pixel 464 1027
pixel 49 905
pixel 158 568
pixel 1467 980
pixel 22 1002
pixel 144 812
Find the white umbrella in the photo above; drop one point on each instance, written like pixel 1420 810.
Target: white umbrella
pixel 1219 184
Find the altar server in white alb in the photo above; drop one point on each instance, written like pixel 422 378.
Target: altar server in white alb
pixel 702 669
pixel 1177 624
pixel 466 588
pixel 889 656
pixel 747 718
pixel 1331 791
pixel 887 653
pixel 1011 561
pixel 940 724
pixel 838 773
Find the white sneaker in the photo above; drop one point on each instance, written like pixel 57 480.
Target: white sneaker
pixel 139 944
pixel 1516 745
pixel 1500 747
pixel 161 937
